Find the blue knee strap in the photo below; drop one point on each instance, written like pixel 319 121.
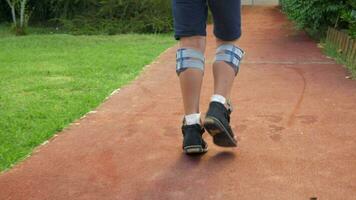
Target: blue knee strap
pixel 230 54
pixel 189 58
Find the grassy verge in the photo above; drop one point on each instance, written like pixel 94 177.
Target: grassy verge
pixel 5 30
pixel 332 51
pixel 48 81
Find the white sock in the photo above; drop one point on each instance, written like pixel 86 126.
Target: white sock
pixel 192 119
pixel 218 98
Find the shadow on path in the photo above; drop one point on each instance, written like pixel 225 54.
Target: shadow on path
pixel 183 177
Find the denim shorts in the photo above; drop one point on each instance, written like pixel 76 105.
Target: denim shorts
pixel 190 18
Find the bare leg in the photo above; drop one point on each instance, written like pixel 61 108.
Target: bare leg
pixel 191 79
pixel 217 119
pixel 224 75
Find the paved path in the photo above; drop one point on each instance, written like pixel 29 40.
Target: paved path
pixel 294 114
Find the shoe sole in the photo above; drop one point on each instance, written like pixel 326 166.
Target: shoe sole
pixel 217 130
pixel 194 149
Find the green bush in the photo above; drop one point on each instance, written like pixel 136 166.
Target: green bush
pixel 100 16
pixel 316 15
pixel 109 16
pixel 350 17
pixel 153 16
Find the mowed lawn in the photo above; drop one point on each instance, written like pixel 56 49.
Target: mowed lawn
pixel 48 81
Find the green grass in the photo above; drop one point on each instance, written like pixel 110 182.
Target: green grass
pixel 332 51
pixel 48 81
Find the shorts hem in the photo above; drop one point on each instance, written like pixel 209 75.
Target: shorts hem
pixel 228 39
pixel 178 36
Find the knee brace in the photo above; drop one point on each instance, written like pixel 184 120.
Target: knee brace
pixel 230 54
pixel 189 58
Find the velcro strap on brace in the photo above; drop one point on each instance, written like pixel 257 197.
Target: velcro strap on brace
pixel 189 58
pixel 230 54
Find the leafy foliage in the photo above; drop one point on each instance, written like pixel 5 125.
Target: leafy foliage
pixel 316 15
pixel 102 16
pixel 122 16
pixel 5 14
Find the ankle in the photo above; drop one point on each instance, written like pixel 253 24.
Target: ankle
pixel 192 119
pixel 218 98
pixel 221 99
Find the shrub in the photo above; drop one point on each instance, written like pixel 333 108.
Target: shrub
pixel 138 15
pixel 107 16
pixel 350 18
pixel 99 16
pixel 316 15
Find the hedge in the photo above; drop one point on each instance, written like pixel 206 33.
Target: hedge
pixel 100 16
pixel 316 15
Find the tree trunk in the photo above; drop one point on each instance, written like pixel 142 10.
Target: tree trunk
pixel 13 12
pixel 22 15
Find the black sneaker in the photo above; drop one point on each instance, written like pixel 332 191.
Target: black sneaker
pixel 217 123
pixel 193 142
